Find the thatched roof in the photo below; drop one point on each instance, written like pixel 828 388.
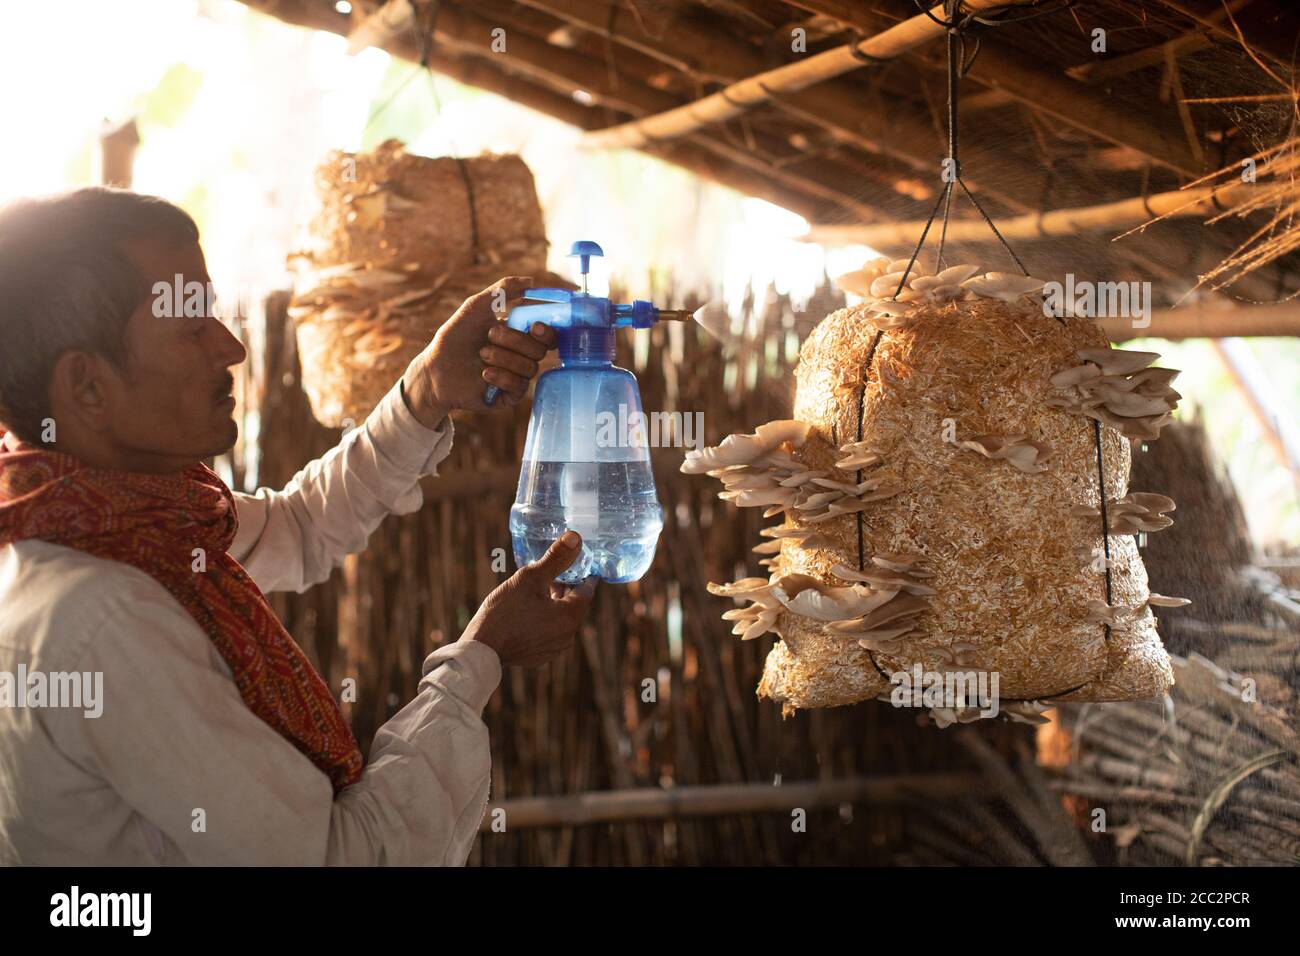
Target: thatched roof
pixel 1047 123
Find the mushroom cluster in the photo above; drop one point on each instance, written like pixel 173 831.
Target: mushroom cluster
pixel 893 288
pixel 371 305
pixel 1016 711
pixel 895 596
pixel 855 610
pixel 1117 388
pixel 1140 511
pixel 760 470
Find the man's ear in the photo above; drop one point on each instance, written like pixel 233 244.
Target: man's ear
pixel 79 388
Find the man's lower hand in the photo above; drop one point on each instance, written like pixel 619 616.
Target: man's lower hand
pixel 530 619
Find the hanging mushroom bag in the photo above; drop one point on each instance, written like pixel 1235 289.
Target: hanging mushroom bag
pixel 394 243
pixel 943 488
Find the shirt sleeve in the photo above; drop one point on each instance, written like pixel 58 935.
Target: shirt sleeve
pixel 175 738
pixel 291 539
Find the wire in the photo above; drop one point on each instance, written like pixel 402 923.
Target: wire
pixel 959 63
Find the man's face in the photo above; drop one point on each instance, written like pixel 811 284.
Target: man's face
pixel 172 406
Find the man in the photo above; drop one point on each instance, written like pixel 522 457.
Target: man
pixel 215 741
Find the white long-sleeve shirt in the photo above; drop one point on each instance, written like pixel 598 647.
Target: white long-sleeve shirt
pixel 177 769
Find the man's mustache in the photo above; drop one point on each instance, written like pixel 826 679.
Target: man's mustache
pixel 227 387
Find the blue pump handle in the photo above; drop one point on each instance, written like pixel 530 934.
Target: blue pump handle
pixel 548 295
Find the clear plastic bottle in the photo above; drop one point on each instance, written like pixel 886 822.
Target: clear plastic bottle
pixel 583 469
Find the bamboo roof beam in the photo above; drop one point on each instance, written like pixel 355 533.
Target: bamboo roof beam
pixel 841 181
pixel 808 201
pixel 835 107
pixel 1157 133
pixel 1099 71
pixel 1212 321
pixel 693 49
pixel 1121 215
pixel 566 70
pixel 761 88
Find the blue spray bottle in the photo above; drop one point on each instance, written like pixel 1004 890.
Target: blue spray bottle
pixel 584 467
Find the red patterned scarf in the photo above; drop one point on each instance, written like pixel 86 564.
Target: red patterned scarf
pixel 154 523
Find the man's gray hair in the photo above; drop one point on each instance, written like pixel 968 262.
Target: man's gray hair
pixel 65 285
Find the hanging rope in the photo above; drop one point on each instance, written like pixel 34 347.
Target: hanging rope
pixel 958 65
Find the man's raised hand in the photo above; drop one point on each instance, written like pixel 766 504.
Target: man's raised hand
pixel 472 350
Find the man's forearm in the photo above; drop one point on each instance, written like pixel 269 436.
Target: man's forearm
pixel 291 539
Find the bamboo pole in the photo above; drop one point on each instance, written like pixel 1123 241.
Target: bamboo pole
pixel 698 49
pixel 1211 322
pixel 1274 424
pixel 1155 132
pixel 1122 214
pixel 116 157
pixel 490 73
pixel 727 799
pixel 761 88
pixel 568 70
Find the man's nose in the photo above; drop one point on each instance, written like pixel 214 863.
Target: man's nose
pixel 232 351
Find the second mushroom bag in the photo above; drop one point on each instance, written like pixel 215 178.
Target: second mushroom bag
pixel 940 494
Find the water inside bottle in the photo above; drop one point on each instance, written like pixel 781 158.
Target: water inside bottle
pixel 612 504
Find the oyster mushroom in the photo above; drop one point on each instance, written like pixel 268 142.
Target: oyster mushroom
pixel 803 537
pixel 1025 711
pixel 947 716
pixel 760 616
pixel 1117 388
pixel 859 455
pixel 883 579
pixel 859 281
pixel 1018 450
pixel 1140 511
pixel 810 598
pixel 1099 612
pixel 742 449
pixel 1117 361
pixel 1007 286
pixel 888 314
pixel 1160 600
pixel 896 609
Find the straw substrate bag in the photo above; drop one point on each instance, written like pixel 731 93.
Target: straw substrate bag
pixel 394 244
pixel 939 501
